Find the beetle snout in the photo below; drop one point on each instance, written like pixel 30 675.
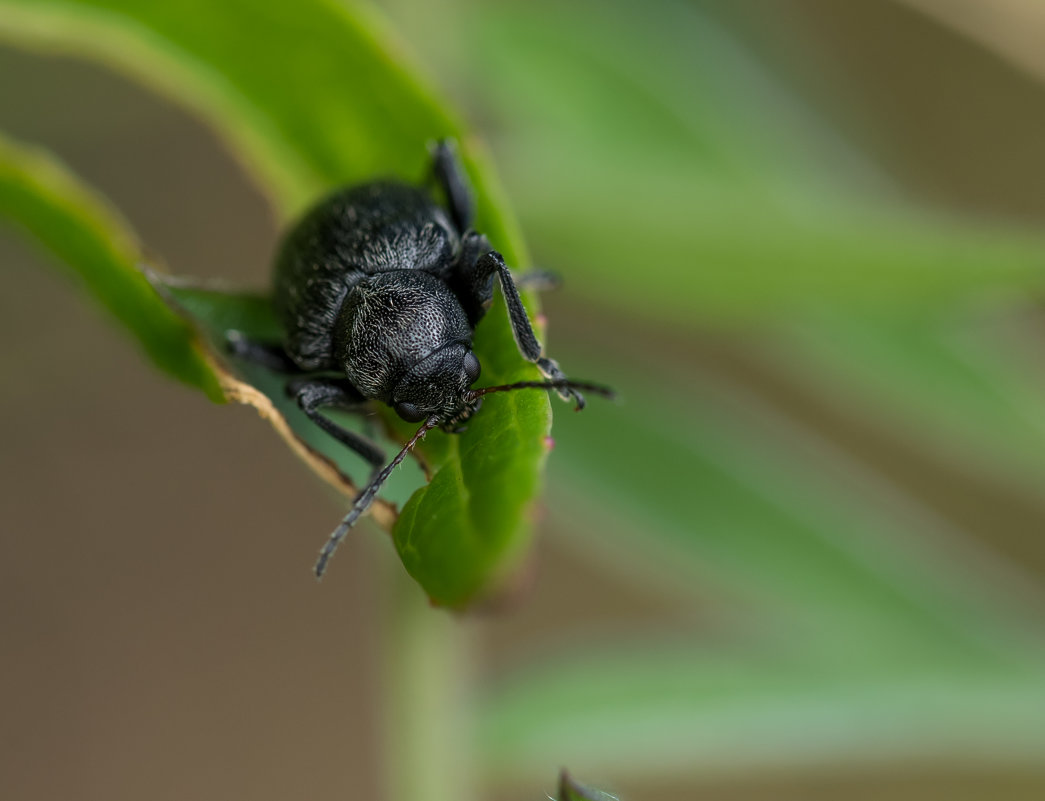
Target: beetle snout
pixel 457 423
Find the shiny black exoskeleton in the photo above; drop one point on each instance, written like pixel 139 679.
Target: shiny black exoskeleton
pixel 381 284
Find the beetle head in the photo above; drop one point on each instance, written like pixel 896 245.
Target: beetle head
pixel 438 386
pixel 402 336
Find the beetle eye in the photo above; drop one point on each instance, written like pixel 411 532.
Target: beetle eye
pixel 409 412
pixel 472 368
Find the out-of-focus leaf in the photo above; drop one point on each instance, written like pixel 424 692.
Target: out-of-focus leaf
pixel 686 251
pixel 661 712
pixel 313 97
pixel 724 497
pixel 79 228
pixel 660 82
pixel 968 385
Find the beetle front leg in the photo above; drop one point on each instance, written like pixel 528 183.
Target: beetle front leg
pixel 479 283
pixel 313 394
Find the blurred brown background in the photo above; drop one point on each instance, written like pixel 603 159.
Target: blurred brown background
pixel 161 636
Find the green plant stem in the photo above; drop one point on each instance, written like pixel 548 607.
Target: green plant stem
pixel 427 675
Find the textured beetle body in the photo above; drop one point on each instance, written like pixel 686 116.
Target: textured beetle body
pixel 361 288
pixel 379 289
pixel 353 235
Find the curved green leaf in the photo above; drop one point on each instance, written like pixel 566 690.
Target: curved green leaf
pixel 313 96
pixel 473 496
pixel 79 228
pixel 753 255
pixel 971 381
pixel 741 504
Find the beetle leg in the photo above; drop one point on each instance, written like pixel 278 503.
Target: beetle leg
pixel 449 175
pixel 266 354
pixel 313 394
pixel 479 283
pixel 474 285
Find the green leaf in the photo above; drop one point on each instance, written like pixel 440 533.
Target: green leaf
pixel 965 385
pixel 79 228
pixel 311 97
pixel 663 712
pixel 457 534
pixel 794 541
pixel 716 254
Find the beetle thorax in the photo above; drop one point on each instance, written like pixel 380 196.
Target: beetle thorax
pixel 391 322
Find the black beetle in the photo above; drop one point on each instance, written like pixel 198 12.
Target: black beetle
pixel 380 284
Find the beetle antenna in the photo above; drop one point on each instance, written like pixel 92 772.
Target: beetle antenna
pixel 366 497
pixel 555 383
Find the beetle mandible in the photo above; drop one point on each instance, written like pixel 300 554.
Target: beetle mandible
pixel 381 284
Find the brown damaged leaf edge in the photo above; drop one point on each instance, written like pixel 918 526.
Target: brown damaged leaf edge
pixel 238 391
